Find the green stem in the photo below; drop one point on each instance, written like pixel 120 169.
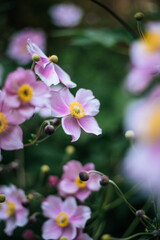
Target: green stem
pixel 33 65
pixel 132 236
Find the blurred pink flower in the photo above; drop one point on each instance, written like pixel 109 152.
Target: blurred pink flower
pixel 53 181
pixel 24 93
pixel 82 236
pixel 12 211
pixel 76 112
pixel 48 71
pixel 28 234
pixel 66 15
pixel 18 42
pixel 64 217
pixel 70 184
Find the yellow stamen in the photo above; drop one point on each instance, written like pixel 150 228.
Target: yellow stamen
pixel 152 41
pixel 76 110
pixel 11 208
pixel 25 92
pixel 3 122
pixel 80 184
pixel 62 219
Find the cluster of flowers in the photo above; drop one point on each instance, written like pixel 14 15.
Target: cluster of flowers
pixel 65 218
pixel 142 161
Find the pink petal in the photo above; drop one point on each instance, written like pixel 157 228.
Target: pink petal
pixel 89 166
pixel 69 232
pixel 92 107
pixel 71 127
pixel 90 125
pixel 10 226
pixel 51 206
pixel 69 206
pixel 50 230
pixel 83 193
pixel 93 182
pixel 13 100
pixel 59 108
pixel 84 236
pixel 34 49
pixel 67 186
pixel 83 96
pixel 21 217
pixel 64 77
pixel 81 216
pixel 67 96
pixel 11 139
pixel 26 111
pixel 72 169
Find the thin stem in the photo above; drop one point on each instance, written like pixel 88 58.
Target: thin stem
pixel 21 172
pixel 133 236
pixel 140 30
pixel 33 65
pixel 124 24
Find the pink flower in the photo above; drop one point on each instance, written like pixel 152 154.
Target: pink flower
pixel 17 46
pixel 48 72
pixel 76 112
pixel 71 184
pixel 24 93
pixel 66 15
pixel 82 236
pixel 10 132
pixel 64 217
pixel 12 211
pixel 53 181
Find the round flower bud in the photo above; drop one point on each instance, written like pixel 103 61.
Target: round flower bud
pixel 70 149
pixel 49 129
pixel 140 213
pixel 2 198
pixel 55 121
pixel 25 203
pixel 156 233
pixel 32 219
pixel 139 16
pixel 53 59
pixel 45 168
pixel 129 134
pixel 28 234
pixel 84 176
pixel 63 238
pixel 106 237
pixel 36 58
pixel 104 180
pixel 30 196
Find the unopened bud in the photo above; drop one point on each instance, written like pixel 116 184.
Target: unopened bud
pixel 156 233
pixel 30 196
pixel 28 234
pixel 45 168
pixel 36 57
pixel 104 180
pixel 70 149
pixel 49 129
pixel 106 237
pixel 55 121
pixel 84 176
pixel 2 198
pixel 139 16
pixel 140 213
pixel 32 219
pixel 53 59
pixel 129 134
pixel 63 238
pixel 25 203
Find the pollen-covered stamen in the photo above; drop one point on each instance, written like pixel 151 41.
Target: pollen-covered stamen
pixel 62 219
pixel 152 41
pixel 76 110
pixel 80 183
pixel 25 92
pixel 11 208
pixel 3 122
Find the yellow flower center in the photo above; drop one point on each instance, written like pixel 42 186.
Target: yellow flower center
pixel 80 184
pixel 76 110
pixel 152 41
pixel 3 122
pixel 11 208
pixel 153 131
pixel 25 92
pixel 62 219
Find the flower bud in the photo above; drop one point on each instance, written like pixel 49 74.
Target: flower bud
pixel 70 149
pixel 32 219
pixel 49 129
pixel 55 121
pixel 25 203
pixel 52 181
pixel 36 58
pixel 104 180
pixel 30 196
pixel 63 238
pixel 139 16
pixel 84 176
pixel 106 237
pixel 28 234
pixel 45 168
pixel 53 59
pixel 2 198
pixel 129 134
pixel 156 233
pixel 140 213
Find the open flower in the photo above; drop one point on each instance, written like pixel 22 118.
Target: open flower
pixel 12 211
pixel 76 112
pixel 64 217
pixel 17 45
pixel 48 71
pixel 71 184
pixel 24 93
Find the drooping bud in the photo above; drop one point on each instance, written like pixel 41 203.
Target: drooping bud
pixel 45 168
pixel 139 16
pixel 70 149
pixel 49 129
pixel 140 213
pixel 36 58
pixel 55 121
pixel 104 180
pixel 2 198
pixel 25 203
pixel 106 237
pixel 84 176
pixel 129 134
pixel 156 233
pixel 53 59
pixel 63 238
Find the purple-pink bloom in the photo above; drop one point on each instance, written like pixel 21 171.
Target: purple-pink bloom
pixel 66 14
pixel 82 236
pixel 10 132
pixel 48 71
pixel 24 93
pixel 65 217
pixel 76 112
pixel 70 184
pixel 12 211
pixel 17 46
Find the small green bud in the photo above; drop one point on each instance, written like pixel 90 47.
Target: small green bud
pixel 45 168
pixel 129 134
pixel 53 58
pixel 106 237
pixel 2 198
pixel 36 57
pixel 63 238
pixel 70 149
pixel 139 16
